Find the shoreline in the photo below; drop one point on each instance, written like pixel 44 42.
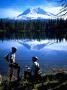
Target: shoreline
pixel 48 82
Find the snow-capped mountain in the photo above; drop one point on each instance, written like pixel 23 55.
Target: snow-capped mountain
pixel 35 13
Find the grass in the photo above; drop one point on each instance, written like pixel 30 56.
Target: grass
pixel 48 82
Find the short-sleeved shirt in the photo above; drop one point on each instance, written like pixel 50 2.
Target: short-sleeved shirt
pixel 12 57
pixel 33 68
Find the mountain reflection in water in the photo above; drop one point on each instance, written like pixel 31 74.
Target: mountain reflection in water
pixel 50 53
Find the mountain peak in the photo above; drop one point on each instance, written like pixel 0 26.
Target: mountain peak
pixel 40 11
pixel 35 13
pixel 25 12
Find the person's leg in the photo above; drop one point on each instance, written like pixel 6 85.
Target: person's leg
pixel 10 72
pixel 32 78
pixel 18 72
pixel 17 67
pixel 25 74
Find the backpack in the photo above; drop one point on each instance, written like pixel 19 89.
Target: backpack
pixel 6 57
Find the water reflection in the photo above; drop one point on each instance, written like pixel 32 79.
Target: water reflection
pixel 50 53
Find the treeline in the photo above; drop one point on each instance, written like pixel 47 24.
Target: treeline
pixel 35 29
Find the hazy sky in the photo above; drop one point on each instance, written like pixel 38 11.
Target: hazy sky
pixel 12 8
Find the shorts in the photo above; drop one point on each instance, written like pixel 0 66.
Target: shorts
pixel 13 65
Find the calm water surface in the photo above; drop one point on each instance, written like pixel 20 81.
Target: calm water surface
pixel 50 53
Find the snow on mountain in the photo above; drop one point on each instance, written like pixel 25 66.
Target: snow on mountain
pixel 42 45
pixel 35 13
pixel 34 44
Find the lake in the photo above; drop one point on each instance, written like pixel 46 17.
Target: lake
pixel 50 53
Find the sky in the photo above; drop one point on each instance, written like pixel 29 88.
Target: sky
pixel 12 8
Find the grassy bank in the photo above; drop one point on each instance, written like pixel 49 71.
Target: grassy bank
pixel 56 81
